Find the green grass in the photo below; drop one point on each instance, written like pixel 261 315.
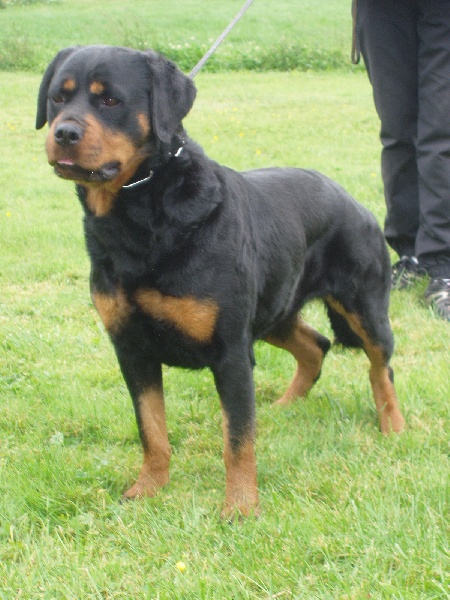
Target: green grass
pixel 285 36
pixel 346 513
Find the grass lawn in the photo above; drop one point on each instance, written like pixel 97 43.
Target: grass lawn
pixel 346 513
pixel 31 31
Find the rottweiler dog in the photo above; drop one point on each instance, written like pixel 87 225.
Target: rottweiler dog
pixel 192 261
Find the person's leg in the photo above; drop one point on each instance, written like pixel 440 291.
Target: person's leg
pixel 389 44
pixel 433 137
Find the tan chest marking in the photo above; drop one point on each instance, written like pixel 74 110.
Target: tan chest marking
pixel 195 318
pixel 99 200
pixel 114 310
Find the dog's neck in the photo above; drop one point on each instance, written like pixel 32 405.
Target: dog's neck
pixel 100 199
pixel 165 152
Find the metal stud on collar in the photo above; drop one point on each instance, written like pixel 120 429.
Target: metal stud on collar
pixel 130 186
pixel 136 183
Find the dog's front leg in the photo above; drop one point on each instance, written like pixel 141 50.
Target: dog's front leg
pixel 144 382
pixel 234 382
pixel 143 377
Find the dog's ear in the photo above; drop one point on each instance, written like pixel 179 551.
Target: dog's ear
pixel 172 95
pixel 41 116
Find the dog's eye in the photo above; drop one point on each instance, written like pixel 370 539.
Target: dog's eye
pixel 58 99
pixel 107 101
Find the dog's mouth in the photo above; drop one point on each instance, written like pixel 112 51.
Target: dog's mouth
pixel 68 169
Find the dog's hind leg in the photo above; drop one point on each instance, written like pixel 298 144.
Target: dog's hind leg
pixel 309 349
pixel 378 345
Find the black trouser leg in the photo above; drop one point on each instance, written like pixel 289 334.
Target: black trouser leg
pixel 406 48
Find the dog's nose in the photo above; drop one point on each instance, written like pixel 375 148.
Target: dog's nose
pixel 68 133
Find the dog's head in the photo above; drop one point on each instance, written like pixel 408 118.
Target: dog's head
pixel 109 109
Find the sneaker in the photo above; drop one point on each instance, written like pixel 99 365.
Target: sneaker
pixel 437 295
pixel 406 272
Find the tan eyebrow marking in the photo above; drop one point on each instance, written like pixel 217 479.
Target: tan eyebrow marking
pixel 69 85
pixel 96 88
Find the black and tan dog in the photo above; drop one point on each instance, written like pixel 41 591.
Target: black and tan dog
pixel 192 262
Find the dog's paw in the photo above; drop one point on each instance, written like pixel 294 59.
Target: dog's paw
pixel 286 399
pixel 235 513
pixel 146 486
pixel 240 505
pixel 391 422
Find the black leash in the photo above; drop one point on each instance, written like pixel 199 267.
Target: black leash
pixel 220 39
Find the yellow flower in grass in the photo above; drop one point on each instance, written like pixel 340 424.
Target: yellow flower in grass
pixel 181 566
